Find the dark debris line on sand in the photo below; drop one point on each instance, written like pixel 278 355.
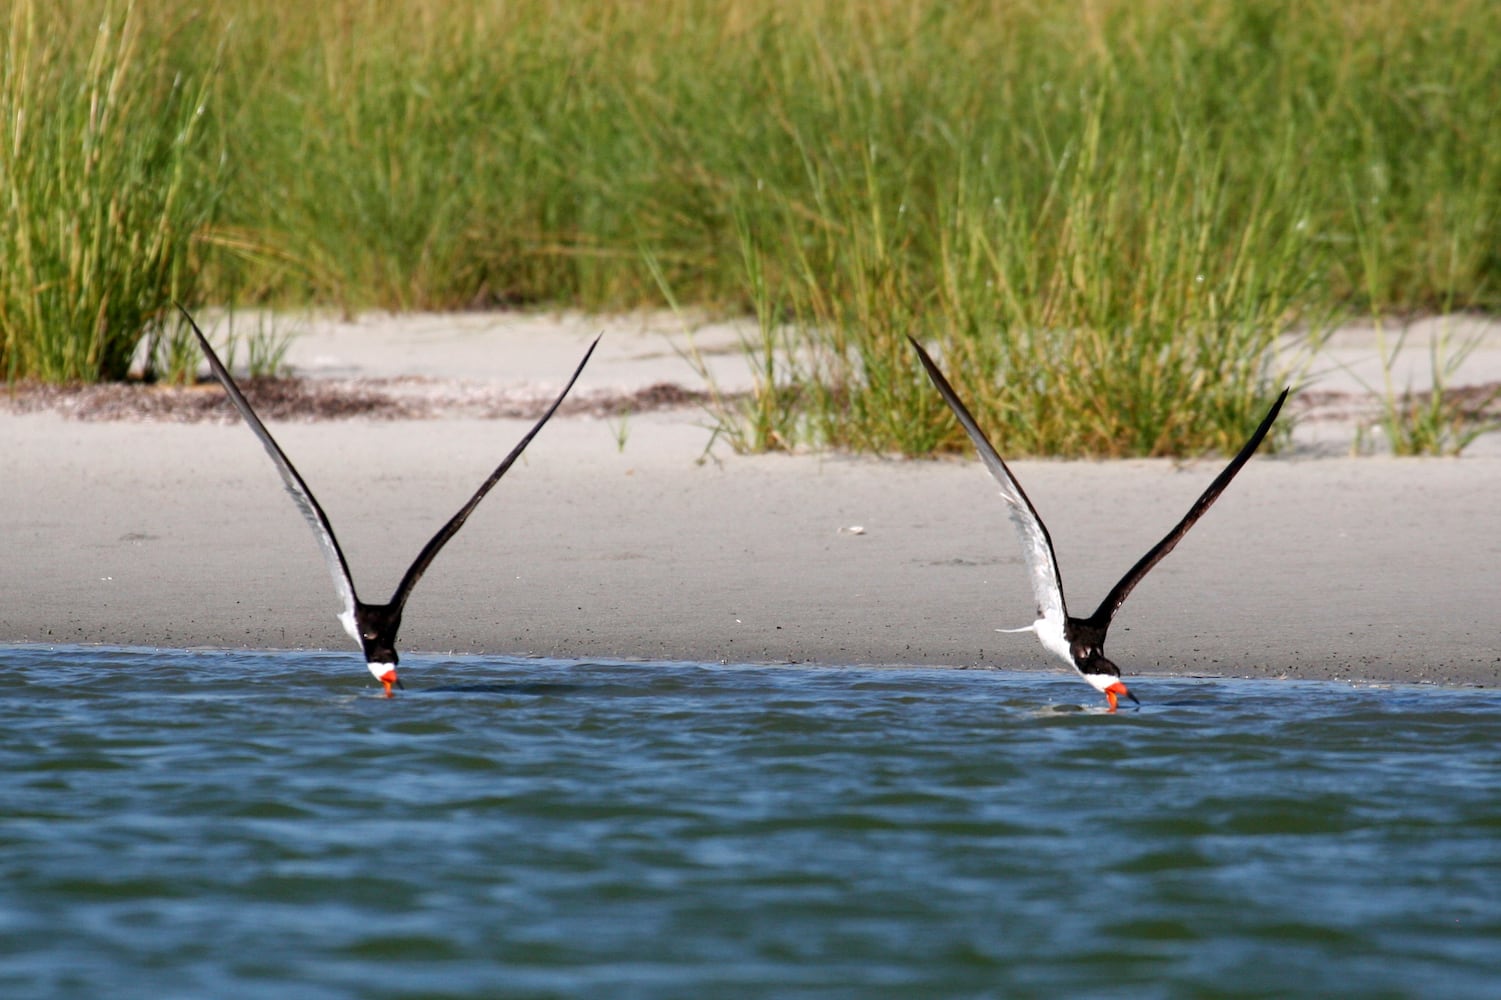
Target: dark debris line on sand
pixel 420 398
pixel 408 398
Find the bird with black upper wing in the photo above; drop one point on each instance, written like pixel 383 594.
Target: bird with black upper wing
pixel 1079 642
pixel 373 626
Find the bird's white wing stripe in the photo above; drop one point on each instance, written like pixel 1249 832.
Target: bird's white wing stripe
pixel 296 488
pixel 1037 548
pixel 311 513
pixel 331 555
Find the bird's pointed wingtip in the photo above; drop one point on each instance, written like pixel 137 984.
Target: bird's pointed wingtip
pixel 588 353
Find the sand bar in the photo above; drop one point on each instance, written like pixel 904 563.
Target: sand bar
pixel 621 538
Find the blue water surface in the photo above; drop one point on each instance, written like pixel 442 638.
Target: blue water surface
pixel 237 824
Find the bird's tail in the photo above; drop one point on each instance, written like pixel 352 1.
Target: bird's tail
pixel 1025 628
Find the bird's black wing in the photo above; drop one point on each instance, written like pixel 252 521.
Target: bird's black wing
pixel 1117 596
pixel 301 495
pixel 436 543
pixel 1037 546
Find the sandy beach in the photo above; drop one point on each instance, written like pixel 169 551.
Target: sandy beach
pixel 639 537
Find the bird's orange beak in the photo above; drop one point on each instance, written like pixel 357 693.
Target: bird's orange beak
pixel 1118 690
pixel 389 680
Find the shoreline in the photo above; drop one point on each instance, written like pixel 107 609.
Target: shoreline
pixel 179 535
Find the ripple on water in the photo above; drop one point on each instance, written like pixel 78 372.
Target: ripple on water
pixel 233 823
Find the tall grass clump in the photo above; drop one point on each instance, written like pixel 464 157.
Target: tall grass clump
pixel 105 187
pixel 1102 277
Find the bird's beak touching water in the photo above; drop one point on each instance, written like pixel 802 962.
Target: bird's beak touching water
pixel 1118 690
pixel 387 677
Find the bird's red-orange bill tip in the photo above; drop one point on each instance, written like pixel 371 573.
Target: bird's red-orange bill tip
pixel 1114 691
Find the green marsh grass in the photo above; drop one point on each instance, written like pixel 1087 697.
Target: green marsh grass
pixel 1126 308
pixel 105 187
pixel 1102 213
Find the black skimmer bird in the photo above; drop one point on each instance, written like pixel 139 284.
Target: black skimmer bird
pixel 1079 642
pixel 373 626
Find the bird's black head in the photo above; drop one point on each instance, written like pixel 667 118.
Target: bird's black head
pixel 1105 677
pixel 378 625
pixel 1089 657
